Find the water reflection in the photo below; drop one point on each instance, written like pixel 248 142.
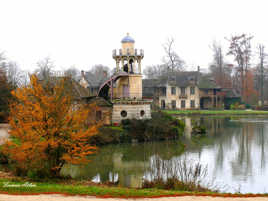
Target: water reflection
pixel 234 150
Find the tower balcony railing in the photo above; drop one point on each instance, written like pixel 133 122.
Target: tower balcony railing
pixel 138 53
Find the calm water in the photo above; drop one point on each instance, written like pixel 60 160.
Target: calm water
pixel 235 152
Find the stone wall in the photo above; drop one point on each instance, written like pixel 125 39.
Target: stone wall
pixel 133 112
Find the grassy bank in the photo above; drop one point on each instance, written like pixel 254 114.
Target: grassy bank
pixel 23 187
pixel 8 186
pixel 216 112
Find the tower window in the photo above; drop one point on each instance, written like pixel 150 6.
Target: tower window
pixel 123 113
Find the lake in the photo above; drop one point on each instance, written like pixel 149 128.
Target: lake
pixel 234 151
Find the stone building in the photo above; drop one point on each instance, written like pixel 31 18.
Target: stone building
pixel 183 90
pixel 123 90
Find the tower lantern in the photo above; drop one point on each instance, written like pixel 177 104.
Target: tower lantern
pixel 128 59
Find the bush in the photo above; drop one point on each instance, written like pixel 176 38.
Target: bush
pixel 160 127
pixel 106 135
pixel 248 106
pixel 234 106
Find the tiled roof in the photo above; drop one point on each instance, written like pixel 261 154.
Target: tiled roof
pixel 182 79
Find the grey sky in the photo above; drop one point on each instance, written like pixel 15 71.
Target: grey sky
pixel 84 32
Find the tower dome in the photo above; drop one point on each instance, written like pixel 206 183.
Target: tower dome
pixel 127 39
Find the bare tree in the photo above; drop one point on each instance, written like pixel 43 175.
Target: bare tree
pixel 155 71
pixel 14 75
pixel 45 68
pixel 221 70
pixel 262 57
pixel 100 72
pixel 240 48
pixel 171 59
pixel 72 72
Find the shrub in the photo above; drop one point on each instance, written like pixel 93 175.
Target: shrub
pixel 106 135
pixel 160 127
pixel 234 106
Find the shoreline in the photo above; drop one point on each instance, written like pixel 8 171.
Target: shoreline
pixel 9 186
pixel 216 112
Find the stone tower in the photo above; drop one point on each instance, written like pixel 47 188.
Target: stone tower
pixel 127 86
pixel 128 60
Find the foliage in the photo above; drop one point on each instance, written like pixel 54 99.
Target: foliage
pixel 49 130
pixel 250 94
pixel 234 106
pixel 106 135
pixel 161 127
pixel 5 95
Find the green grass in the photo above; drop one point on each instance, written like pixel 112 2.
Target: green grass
pixel 18 187
pixel 217 112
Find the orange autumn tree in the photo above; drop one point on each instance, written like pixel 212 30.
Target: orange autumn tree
pixel 47 129
pixel 250 94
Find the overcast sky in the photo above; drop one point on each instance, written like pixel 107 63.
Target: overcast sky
pixel 84 32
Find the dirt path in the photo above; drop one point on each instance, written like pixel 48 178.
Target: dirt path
pixel 89 198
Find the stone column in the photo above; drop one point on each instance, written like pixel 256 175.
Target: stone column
pixel 139 61
pixel 117 65
pixel 134 66
pixel 128 66
pixel 122 61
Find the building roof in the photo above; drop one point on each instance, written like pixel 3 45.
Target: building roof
pixel 183 79
pixel 94 81
pixel 71 86
pixel 127 39
pixel 99 101
pixel 207 82
pixel 231 93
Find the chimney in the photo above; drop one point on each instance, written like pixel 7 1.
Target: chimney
pixel 198 75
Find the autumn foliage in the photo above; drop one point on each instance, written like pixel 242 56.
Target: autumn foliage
pixel 250 94
pixel 48 129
